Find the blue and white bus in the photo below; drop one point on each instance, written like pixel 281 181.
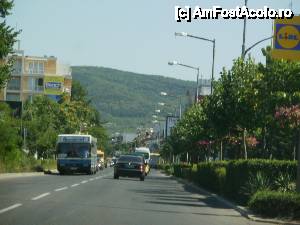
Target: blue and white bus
pixel 76 153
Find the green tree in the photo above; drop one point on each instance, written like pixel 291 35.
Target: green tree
pixel 240 115
pixel 78 93
pixel 7 39
pixel 9 127
pixel 44 122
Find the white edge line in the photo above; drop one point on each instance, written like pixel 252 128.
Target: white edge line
pixel 74 185
pixel 10 208
pixel 40 196
pixel 61 189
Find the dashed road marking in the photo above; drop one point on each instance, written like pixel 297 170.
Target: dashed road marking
pixel 40 196
pixel 84 181
pixel 61 189
pixel 10 208
pixel 74 185
pixel 91 179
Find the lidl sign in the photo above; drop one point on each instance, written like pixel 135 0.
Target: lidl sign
pixel 286 43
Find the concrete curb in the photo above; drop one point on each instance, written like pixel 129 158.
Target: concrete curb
pixel 242 210
pixel 51 171
pixel 15 175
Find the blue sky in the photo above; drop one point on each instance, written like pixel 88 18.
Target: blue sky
pixel 137 35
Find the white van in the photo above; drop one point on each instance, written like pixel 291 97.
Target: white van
pixel 146 153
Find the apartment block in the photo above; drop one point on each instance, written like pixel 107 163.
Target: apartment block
pixel 34 76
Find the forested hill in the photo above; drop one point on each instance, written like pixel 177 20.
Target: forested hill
pixel 128 100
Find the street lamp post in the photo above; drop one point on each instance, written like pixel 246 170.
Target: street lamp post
pixel 252 46
pixel 213 41
pixel 244 34
pixel 191 67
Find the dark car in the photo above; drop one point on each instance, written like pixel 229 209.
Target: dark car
pixel 130 166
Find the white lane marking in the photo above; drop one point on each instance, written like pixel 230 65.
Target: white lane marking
pixel 84 181
pixel 10 208
pixel 40 196
pixel 60 189
pixel 74 185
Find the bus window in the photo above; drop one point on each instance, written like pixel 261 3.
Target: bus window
pixel 73 150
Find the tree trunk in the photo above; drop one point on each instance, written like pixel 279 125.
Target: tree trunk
pixel 245 145
pixel 265 140
pixel 221 150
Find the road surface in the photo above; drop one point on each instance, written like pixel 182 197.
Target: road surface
pixel 101 200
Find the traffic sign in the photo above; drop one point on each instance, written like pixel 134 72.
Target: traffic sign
pixel 286 42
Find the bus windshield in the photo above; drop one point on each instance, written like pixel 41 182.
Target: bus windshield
pixel 144 154
pixel 74 150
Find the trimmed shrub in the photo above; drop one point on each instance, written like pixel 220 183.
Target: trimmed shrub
pixel 276 204
pixel 182 170
pixel 238 174
pixel 212 175
pixel 166 168
pixel 221 179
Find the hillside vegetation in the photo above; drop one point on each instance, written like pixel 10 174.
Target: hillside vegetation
pixel 128 100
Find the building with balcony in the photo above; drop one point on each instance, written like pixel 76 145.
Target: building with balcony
pixel 34 76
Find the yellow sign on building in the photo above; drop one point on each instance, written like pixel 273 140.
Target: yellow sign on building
pixel 53 85
pixel 286 42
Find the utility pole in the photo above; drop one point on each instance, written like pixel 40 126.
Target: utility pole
pixel 213 67
pixel 244 33
pixel 197 89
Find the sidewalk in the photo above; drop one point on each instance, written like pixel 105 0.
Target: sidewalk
pixel 242 210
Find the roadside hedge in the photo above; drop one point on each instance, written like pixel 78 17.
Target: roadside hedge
pixel 167 168
pixel 211 175
pixel 238 173
pixel 228 178
pixel 276 204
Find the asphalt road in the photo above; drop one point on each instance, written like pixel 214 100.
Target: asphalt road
pixel 101 200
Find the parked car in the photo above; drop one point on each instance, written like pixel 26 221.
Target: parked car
pixel 130 166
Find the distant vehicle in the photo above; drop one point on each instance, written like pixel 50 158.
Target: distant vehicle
pixel 154 160
pixel 76 153
pixel 113 162
pixel 130 166
pixel 100 159
pixel 145 152
pixel 100 164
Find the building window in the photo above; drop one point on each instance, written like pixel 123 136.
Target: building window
pixel 35 84
pixel 36 67
pixel 17 67
pixel 12 97
pixel 41 67
pixel 14 84
pixel 31 67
